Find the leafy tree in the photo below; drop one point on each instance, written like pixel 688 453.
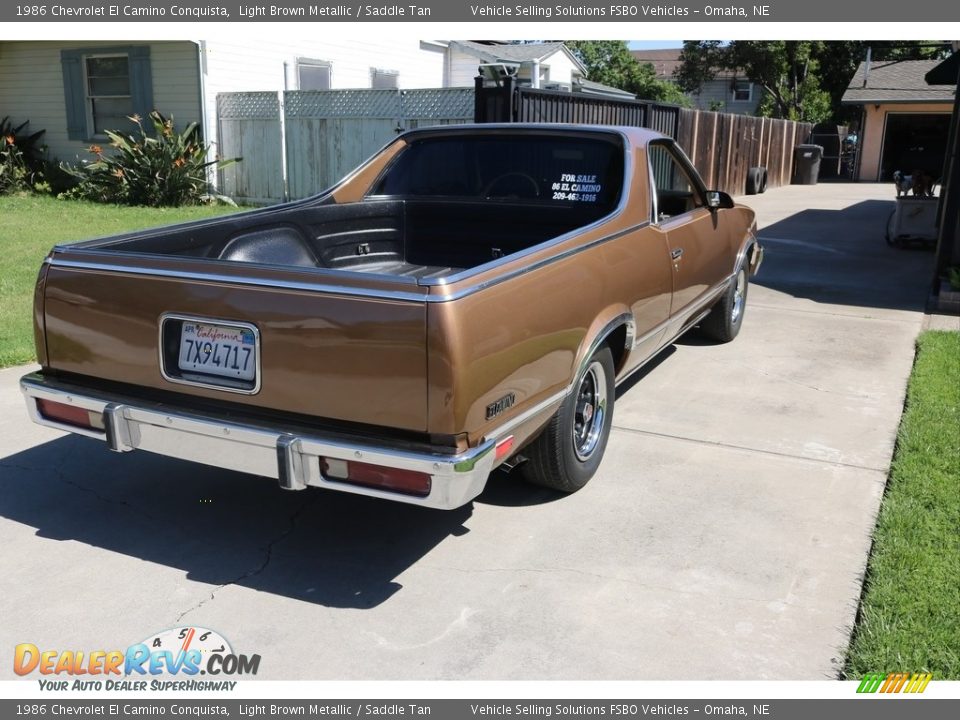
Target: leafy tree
pixel 785 69
pixel 803 80
pixel 839 61
pixel 610 62
pixel 699 62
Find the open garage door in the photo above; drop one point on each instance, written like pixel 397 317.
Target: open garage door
pixel 914 141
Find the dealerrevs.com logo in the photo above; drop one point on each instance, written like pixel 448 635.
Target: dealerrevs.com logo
pixel 895 682
pixel 170 660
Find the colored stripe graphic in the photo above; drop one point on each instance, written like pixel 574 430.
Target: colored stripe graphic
pixel 870 683
pixel 919 682
pixel 894 682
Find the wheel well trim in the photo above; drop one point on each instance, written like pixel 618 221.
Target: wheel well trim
pixel 743 255
pixel 622 320
pixel 550 403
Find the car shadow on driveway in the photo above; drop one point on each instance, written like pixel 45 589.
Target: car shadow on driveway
pixel 841 257
pixel 221 527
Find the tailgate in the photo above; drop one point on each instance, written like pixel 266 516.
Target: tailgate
pixel 343 348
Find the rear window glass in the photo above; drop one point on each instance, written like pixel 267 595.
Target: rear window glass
pixel 549 168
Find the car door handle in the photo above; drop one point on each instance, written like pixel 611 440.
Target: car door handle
pixel 676 253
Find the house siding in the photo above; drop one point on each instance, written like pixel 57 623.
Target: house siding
pixel 463 68
pixel 238 66
pixel 271 65
pixel 718 90
pixel 561 67
pixel 31 87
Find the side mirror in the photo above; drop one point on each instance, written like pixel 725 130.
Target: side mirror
pixel 717 199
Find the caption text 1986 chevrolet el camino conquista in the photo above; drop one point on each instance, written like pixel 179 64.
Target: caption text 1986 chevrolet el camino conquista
pixel 468 298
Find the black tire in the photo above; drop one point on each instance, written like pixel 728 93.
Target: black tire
pixel 725 319
pixel 568 451
pixel 763 181
pixel 755 180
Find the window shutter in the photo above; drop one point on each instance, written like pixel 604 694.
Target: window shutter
pixel 73 94
pixel 141 81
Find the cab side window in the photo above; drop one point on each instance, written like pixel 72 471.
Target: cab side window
pixel 676 193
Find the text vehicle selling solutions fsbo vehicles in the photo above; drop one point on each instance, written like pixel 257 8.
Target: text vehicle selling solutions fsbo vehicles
pixel 468 297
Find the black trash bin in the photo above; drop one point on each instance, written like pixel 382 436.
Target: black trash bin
pixel 806 164
pixel 831 138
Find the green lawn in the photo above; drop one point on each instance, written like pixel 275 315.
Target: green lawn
pixel 31 224
pixel 909 618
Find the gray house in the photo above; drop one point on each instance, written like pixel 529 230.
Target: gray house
pixel 728 92
pixel 75 89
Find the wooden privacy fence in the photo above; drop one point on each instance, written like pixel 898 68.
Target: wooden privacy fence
pixel 297 143
pixel 722 146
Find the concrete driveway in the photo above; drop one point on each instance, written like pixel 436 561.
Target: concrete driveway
pixel 723 538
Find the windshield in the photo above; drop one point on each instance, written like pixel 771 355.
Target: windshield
pixel 548 167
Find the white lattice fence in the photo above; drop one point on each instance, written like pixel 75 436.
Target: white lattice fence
pixel 250 129
pixel 326 134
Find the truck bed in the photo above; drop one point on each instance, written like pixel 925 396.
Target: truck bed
pixel 114 308
pixel 417 238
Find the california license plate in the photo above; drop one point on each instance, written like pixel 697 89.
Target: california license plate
pixel 223 350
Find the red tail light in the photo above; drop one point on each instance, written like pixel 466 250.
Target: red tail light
pixel 70 414
pixel 503 448
pixel 408 482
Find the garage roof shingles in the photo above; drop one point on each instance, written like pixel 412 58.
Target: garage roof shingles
pixel 900 81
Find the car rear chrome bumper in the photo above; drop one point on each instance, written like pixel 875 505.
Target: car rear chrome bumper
pixel 291 457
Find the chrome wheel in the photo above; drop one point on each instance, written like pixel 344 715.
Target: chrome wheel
pixel 738 297
pixel 591 410
pixel 570 447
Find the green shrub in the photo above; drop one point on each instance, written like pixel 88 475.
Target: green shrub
pixel 13 171
pixel 21 157
pixel 162 168
pixel 56 180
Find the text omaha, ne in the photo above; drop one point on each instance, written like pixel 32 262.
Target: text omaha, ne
pixel 617 10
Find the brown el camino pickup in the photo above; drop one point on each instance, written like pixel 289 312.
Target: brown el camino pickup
pixel 466 299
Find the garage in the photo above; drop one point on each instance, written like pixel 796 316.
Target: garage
pixel 905 121
pixel 914 141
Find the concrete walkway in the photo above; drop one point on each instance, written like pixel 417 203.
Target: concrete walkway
pixel 724 537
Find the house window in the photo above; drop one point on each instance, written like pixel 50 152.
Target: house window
pixel 104 86
pixel 742 91
pixel 383 79
pixel 314 75
pixel 108 101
